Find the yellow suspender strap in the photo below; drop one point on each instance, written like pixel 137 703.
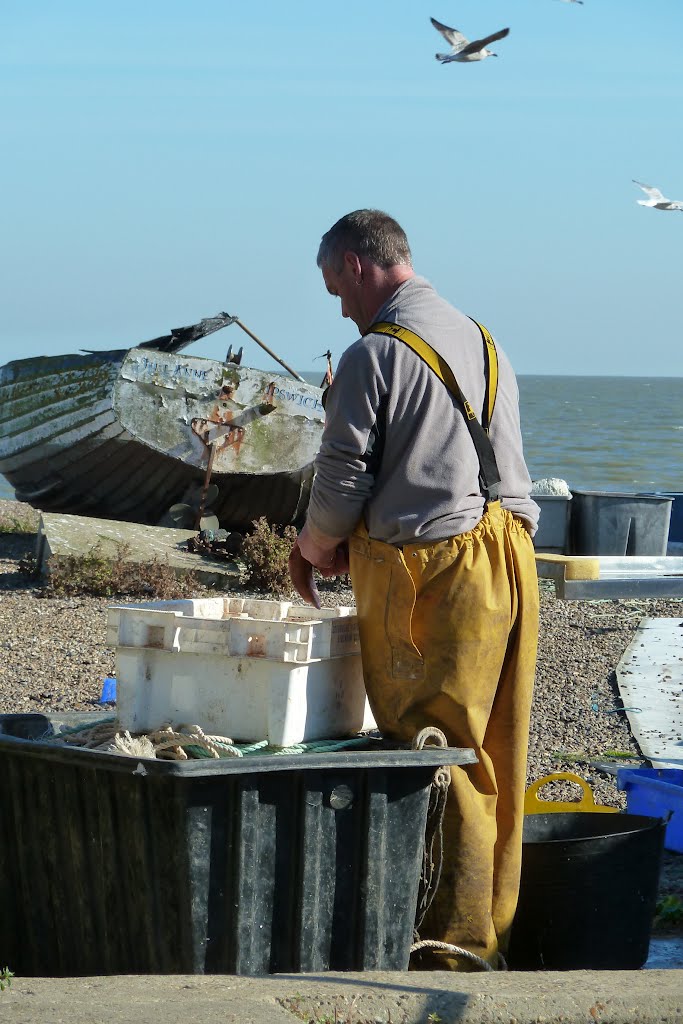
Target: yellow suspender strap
pixel 490 477
pixel 443 370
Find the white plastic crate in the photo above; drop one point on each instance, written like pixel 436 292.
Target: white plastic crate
pixel 234 627
pixel 250 670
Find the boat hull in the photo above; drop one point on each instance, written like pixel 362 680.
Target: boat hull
pixel 129 433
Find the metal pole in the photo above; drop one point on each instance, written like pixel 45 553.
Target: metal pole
pixel 205 488
pixel 269 351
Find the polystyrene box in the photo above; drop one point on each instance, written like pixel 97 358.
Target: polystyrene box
pixel 248 670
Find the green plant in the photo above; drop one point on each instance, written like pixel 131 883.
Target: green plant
pixel 569 757
pixel 265 554
pixel 669 911
pixel 17 524
pixel 101 576
pixel 5 978
pixel 30 566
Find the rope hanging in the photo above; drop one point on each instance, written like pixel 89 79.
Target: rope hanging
pixel 459 951
pixel 432 855
pixel 432 852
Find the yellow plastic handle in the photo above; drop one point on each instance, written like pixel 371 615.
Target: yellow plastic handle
pixel 532 805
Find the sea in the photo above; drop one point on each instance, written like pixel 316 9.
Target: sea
pixel 596 433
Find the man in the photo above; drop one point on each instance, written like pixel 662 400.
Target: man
pixel 444 580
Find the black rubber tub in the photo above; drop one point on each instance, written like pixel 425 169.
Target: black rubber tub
pixel 588 891
pixel 252 865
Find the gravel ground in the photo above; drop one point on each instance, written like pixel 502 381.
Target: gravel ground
pixel 54 658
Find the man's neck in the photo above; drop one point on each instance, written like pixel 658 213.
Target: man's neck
pixel 383 282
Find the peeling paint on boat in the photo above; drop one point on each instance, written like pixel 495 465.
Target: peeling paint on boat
pixel 110 434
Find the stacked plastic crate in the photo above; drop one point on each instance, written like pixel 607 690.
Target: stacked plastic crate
pixel 246 669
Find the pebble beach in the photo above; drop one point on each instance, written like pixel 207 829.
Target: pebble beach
pixel 54 658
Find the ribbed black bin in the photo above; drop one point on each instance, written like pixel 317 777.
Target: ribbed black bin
pixel 588 891
pixel 619 523
pixel 254 865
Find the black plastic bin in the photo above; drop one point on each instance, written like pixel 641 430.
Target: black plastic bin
pixel 619 523
pixel 588 891
pixel 253 865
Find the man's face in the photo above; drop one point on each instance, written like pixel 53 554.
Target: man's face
pixel 347 286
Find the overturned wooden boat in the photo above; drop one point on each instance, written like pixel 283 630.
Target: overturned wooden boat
pixel 130 433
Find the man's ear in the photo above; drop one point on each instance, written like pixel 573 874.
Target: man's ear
pixel 352 261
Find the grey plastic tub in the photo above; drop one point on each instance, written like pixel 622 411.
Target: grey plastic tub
pixel 553 524
pixel 617 523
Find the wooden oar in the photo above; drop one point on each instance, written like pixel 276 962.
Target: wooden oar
pixel 269 351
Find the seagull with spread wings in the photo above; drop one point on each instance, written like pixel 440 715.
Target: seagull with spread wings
pixel 462 49
pixel 657 201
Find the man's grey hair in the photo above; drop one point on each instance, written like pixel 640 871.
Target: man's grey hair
pixel 369 233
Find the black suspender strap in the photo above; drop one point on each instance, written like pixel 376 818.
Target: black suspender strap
pixel 490 477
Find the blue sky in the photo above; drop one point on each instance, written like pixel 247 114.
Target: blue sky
pixel 165 161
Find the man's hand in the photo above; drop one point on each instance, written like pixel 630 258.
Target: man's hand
pixel 301 574
pixel 329 555
pixel 339 565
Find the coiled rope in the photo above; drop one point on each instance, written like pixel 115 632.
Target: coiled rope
pixel 184 743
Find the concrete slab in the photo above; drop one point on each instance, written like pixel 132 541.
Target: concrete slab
pixel 650 678
pixel 410 997
pixel 77 535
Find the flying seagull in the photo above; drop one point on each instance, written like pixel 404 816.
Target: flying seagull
pixel 573 1
pixel 462 49
pixel 657 201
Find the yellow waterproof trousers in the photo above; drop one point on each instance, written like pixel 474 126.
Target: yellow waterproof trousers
pixel 448 638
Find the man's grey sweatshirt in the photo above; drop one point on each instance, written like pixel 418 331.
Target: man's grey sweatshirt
pixel 396 450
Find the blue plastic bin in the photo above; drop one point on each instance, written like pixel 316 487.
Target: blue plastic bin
pixel 656 792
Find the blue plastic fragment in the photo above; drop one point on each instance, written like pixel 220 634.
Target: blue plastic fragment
pixel 108 695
